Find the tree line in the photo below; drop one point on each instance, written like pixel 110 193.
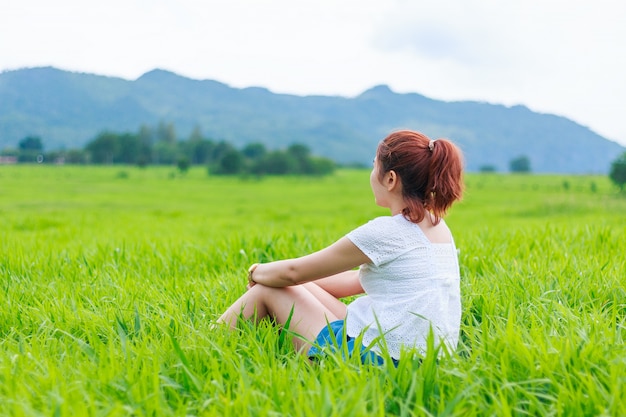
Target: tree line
pixel 160 146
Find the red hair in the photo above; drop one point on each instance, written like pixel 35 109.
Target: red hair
pixel 431 172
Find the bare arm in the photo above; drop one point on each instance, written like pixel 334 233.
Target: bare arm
pixel 340 257
pixel 343 284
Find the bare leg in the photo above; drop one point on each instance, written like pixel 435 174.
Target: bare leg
pixel 312 308
pixel 330 301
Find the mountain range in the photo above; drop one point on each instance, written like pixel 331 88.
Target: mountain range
pixel 68 109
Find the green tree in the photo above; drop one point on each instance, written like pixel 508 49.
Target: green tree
pixel 165 149
pixel 75 156
pixel 145 137
pixel 183 164
pixel 322 166
pixel 166 132
pixel 31 143
pixel 300 154
pixel 103 148
pixel 299 151
pixel 254 150
pixel 128 149
pixel 219 150
pixel 198 149
pixel 165 153
pixel 202 151
pixel 230 163
pixel 521 164
pixel 618 171
pixel 29 149
pixel 275 163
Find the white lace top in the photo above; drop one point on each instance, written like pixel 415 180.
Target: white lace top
pixel 410 285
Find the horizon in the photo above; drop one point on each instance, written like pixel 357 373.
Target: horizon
pixel 310 95
pixel 556 57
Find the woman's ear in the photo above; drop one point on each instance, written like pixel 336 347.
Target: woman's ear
pixel 391 180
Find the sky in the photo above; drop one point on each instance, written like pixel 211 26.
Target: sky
pixel 564 57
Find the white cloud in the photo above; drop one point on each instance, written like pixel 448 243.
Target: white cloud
pixel 563 57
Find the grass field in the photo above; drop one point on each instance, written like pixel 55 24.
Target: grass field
pixel 110 277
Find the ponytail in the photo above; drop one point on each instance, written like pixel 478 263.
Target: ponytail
pixel 445 184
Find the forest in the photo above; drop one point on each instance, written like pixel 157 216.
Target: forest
pixel 160 145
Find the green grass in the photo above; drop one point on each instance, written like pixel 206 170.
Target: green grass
pixel 110 277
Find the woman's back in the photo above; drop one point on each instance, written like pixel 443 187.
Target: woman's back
pixel 412 285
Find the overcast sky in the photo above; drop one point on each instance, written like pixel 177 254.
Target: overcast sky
pixel 566 57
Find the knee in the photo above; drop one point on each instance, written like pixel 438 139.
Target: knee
pixel 263 292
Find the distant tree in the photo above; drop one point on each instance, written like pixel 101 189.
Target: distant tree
pixel 322 166
pixel 128 150
pixel 299 151
pixel 618 171
pixel 31 143
pixel 166 132
pixel 219 150
pixel 296 160
pixel 230 163
pixel 75 156
pixel 103 148
pixel 275 163
pixel 197 148
pixel 165 153
pixel 300 155
pixel 145 137
pixel 29 149
pixel 488 168
pixel 183 164
pixel 165 148
pixel 202 151
pixel 520 164
pixel 146 134
pixel 254 150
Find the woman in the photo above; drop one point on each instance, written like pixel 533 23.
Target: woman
pixel 408 265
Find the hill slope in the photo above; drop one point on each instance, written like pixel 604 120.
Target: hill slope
pixel 68 109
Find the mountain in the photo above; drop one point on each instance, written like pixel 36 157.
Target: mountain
pixel 68 109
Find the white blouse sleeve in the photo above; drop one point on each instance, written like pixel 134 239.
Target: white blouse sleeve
pixel 377 241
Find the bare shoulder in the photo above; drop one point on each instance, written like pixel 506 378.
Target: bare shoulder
pixel 439 233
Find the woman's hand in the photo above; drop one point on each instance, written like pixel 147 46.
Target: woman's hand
pixel 251 282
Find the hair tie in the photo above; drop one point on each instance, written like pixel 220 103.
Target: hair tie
pixel 431 145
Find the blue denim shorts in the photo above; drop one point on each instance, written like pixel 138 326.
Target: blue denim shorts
pixel 333 338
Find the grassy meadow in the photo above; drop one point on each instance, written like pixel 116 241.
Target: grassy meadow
pixel 110 278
